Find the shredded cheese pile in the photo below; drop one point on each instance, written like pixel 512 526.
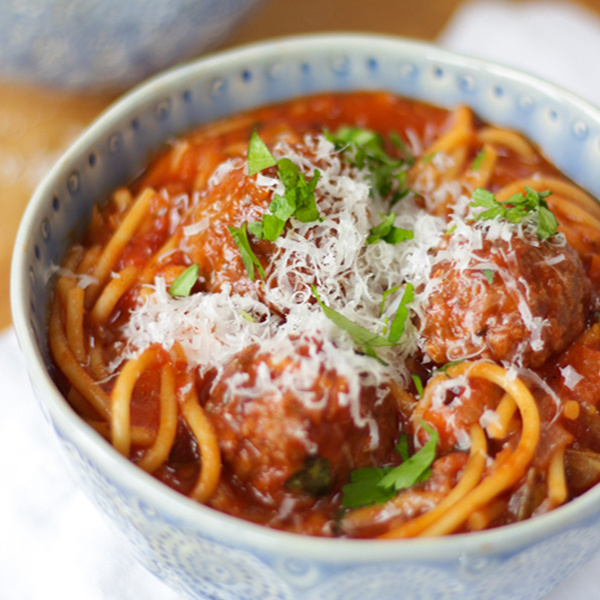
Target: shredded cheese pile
pixel 351 278
pixel 332 255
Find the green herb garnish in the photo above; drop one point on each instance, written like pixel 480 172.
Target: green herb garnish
pixel 259 157
pixel 489 275
pixel 477 161
pixel 402 447
pixel 240 237
pixel 314 480
pixel 247 316
pixel 449 365
pixel 298 193
pixel 364 488
pixel 517 208
pixel 388 232
pixel 182 286
pixel 376 485
pixel 385 296
pixel 366 340
pixel 361 336
pixel 366 150
pixel 298 200
pixel 418 384
pixel 397 326
pixel 409 159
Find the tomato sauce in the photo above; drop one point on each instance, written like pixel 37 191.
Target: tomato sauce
pixel 188 192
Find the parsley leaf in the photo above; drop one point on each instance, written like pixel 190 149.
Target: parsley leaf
pixel 272 227
pixel 517 208
pixel 256 229
pixel 402 447
pixel 484 199
pixel 182 286
pixel 418 384
pixel 366 150
pixel 409 159
pixel 364 488
pixel 283 207
pixel 376 485
pixel 384 297
pixel 298 200
pixel 366 340
pixel 477 161
pixel 444 368
pixel 360 335
pixel 397 326
pixel 259 157
pixel 240 237
pixel 408 473
pixel 388 232
pixel 489 275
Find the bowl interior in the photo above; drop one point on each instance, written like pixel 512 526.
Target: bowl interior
pixel 118 146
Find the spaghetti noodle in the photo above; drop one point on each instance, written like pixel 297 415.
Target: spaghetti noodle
pixel 350 315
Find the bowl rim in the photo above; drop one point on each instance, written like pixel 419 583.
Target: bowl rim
pixel 231 530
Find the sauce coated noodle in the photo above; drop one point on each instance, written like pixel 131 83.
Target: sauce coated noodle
pixel 359 348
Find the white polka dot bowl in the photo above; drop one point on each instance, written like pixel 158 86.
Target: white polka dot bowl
pixel 108 44
pixel 209 555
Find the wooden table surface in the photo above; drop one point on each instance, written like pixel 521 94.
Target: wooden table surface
pixel 36 125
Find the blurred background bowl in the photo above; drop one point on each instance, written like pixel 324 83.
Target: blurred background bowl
pixel 207 554
pixel 104 45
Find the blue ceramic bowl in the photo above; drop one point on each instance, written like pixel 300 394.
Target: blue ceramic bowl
pixel 108 44
pixel 207 554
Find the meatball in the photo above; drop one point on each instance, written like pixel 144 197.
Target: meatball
pixel 277 441
pixel 230 202
pixel 518 300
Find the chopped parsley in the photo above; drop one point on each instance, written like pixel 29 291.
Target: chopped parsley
pixel 298 200
pixel 376 485
pixel 418 384
pixel 240 237
pixel 182 286
pixel 366 150
pixel 402 447
pixel 362 337
pixel 259 157
pixel 397 326
pixel 489 275
pixel 388 232
pixel 365 340
pixel 477 161
pixel 314 480
pixel 444 368
pixel 517 208
pixel 385 296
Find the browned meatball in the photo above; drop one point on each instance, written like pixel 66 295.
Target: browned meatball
pixel 231 202
pixel 519 300
pixel 276 446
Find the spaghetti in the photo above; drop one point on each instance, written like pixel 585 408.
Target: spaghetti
pixel 386 329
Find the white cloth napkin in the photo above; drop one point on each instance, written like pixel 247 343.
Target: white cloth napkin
pixel 53 542
pixel 558 41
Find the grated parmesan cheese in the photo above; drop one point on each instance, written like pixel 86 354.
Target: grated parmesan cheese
pixel 571 376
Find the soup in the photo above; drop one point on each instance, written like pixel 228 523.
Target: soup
pixel 347 315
